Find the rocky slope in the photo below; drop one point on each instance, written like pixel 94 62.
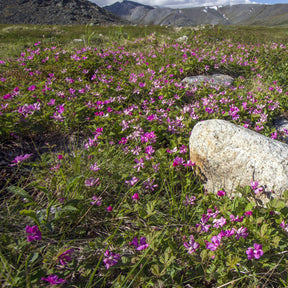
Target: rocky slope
pixel 60 12
pixel 244 14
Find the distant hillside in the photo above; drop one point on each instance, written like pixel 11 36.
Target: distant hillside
pixel 59 12
pixel 244 14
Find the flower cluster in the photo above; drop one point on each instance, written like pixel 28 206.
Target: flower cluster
pixel 33 233
pixel 141 245
pixel 254 252
pixel 111 258
pixel 53 280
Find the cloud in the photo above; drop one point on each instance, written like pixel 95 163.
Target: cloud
pixel 179 3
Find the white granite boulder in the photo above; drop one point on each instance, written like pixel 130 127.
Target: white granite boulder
pixel 182 39
pixel 213 80
pixel 228 155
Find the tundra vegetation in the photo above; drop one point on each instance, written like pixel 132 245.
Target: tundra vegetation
pixel 97 188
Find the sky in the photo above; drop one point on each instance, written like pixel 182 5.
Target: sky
pixel 191 3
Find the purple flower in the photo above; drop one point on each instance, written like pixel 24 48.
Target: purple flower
pixel 204 227
pixel 172 151
pixel 274 135
pixel 51 102
pixel 110 258
pixel 236 219
pixel 109 208
pixel 132 181
pixel 215 242
pixel 97 200
pixel 64 257
pixel 156 167
pixel 60 109
pixel 33 233
pixel 219 222
pixel 53 279
pixel 149 151
pixel 191 246
pixel 32 88
pixel 254 252
pixel 139 165
pixel 94 167
pixel 91 182
pixel 241 232
pixel 189 163
pixel 221 193
pixel 149 184
pixel 141 245
pixel 135 196
pixel 178 161
pixel 228 233
pixel 183 149
pixel 254 186
pixel 248 213
pixel 210 213
pixel 19 159
pixel 123 141
pixel 284 226
pixel 189 200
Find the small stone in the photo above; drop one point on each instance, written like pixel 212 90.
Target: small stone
pixel 182 39
pixel 214 80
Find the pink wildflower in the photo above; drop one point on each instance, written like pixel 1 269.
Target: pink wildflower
pixel 221 193
pixel 191 246
pixel 110 258
pixel 215 242
pixel 219 222
pixel 241 232
pixel 135 196
pixel 91 182
pixel 96 200
pixel 254 252
pixel 33 233
pixel 65 257
pixel 141 245
pixel 53 280
pixel 19 159
pixel 248 213
pixel 132 181
pixel 189 200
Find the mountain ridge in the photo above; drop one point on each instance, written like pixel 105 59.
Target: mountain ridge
pixel 241 14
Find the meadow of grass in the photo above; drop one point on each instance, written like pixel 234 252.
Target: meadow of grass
pixel 99 190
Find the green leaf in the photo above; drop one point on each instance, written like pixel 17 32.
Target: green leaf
pixel 277 204
pixel 150 208
pixel 260 220
pixel 43 189
pixel 34 257
pixel 155 270
pixel 249 206
pixel 30 213
pixel 264 230
pixel 73 181
pixel 232 261
pixel 20 192
pixel 65 209
pixel 275 241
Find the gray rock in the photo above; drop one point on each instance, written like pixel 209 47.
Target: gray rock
pixel 227 155
pixel 214 80
pixel 281 126
pixel 56 12
pixel 183 38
